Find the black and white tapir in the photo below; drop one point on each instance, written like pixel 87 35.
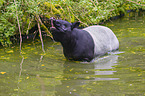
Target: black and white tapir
pixel 83 44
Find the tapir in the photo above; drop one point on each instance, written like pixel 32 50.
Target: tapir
pixel 83 44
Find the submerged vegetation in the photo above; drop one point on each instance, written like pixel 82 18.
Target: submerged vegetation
pixel 17 17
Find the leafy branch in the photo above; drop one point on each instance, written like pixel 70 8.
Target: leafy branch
pixel 135 2
pixel 27 14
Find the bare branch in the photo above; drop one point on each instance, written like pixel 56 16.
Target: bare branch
pixel 46 30
pixel 28 27
pixel 41 36
pixel 19 27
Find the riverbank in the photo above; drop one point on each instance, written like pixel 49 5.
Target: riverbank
pixel 18 17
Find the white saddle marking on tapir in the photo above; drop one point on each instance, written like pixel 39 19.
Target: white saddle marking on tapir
pixel 104 39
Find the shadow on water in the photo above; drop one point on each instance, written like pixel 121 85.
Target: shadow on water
pixel 76 75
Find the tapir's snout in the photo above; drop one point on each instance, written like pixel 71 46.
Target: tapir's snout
pixel 52 19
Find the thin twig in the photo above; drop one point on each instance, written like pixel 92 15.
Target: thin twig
pixel 135 3
pixel 97 2
pixel 46 30
pixel 41 37
pixel 19 27
pixel 28 26
pixel 69 13
pixel 24 23
pixel 93 3
pixel 35 33
pixel 51 6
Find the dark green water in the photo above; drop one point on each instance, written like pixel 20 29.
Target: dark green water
pixel 120 73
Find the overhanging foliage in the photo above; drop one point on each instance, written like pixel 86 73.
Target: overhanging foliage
pixel 24 14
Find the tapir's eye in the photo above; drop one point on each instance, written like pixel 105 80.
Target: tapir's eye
pixel 65 25
pixel 57 24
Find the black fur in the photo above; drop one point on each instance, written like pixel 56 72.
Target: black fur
pixel 77 44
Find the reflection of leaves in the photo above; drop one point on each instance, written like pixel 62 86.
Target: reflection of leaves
pixel 22 52
pixel 43 54
pixel 74 90
pixel 16 89
pixel 42 65
pixel 36 53
pixel 110 24
pixel 140 74
pixel 27 77
pixel 135 69
pixel 10 51
pixel 87 77
pixel 89 89
pixel 133 52
pixel 3 57
pixel 59 77
pixel 2 72
pixel 25 57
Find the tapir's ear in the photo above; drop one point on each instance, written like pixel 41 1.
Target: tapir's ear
pixel 75 25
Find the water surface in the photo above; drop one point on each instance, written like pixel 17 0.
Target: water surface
pixel 120 73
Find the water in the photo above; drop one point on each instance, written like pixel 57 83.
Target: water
pixel 120 73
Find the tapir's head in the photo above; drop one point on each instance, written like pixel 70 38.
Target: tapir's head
pixel 62 29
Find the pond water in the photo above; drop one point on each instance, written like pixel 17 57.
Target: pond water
pixel 120 73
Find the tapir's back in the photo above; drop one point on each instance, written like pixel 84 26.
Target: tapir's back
pixel 104 39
